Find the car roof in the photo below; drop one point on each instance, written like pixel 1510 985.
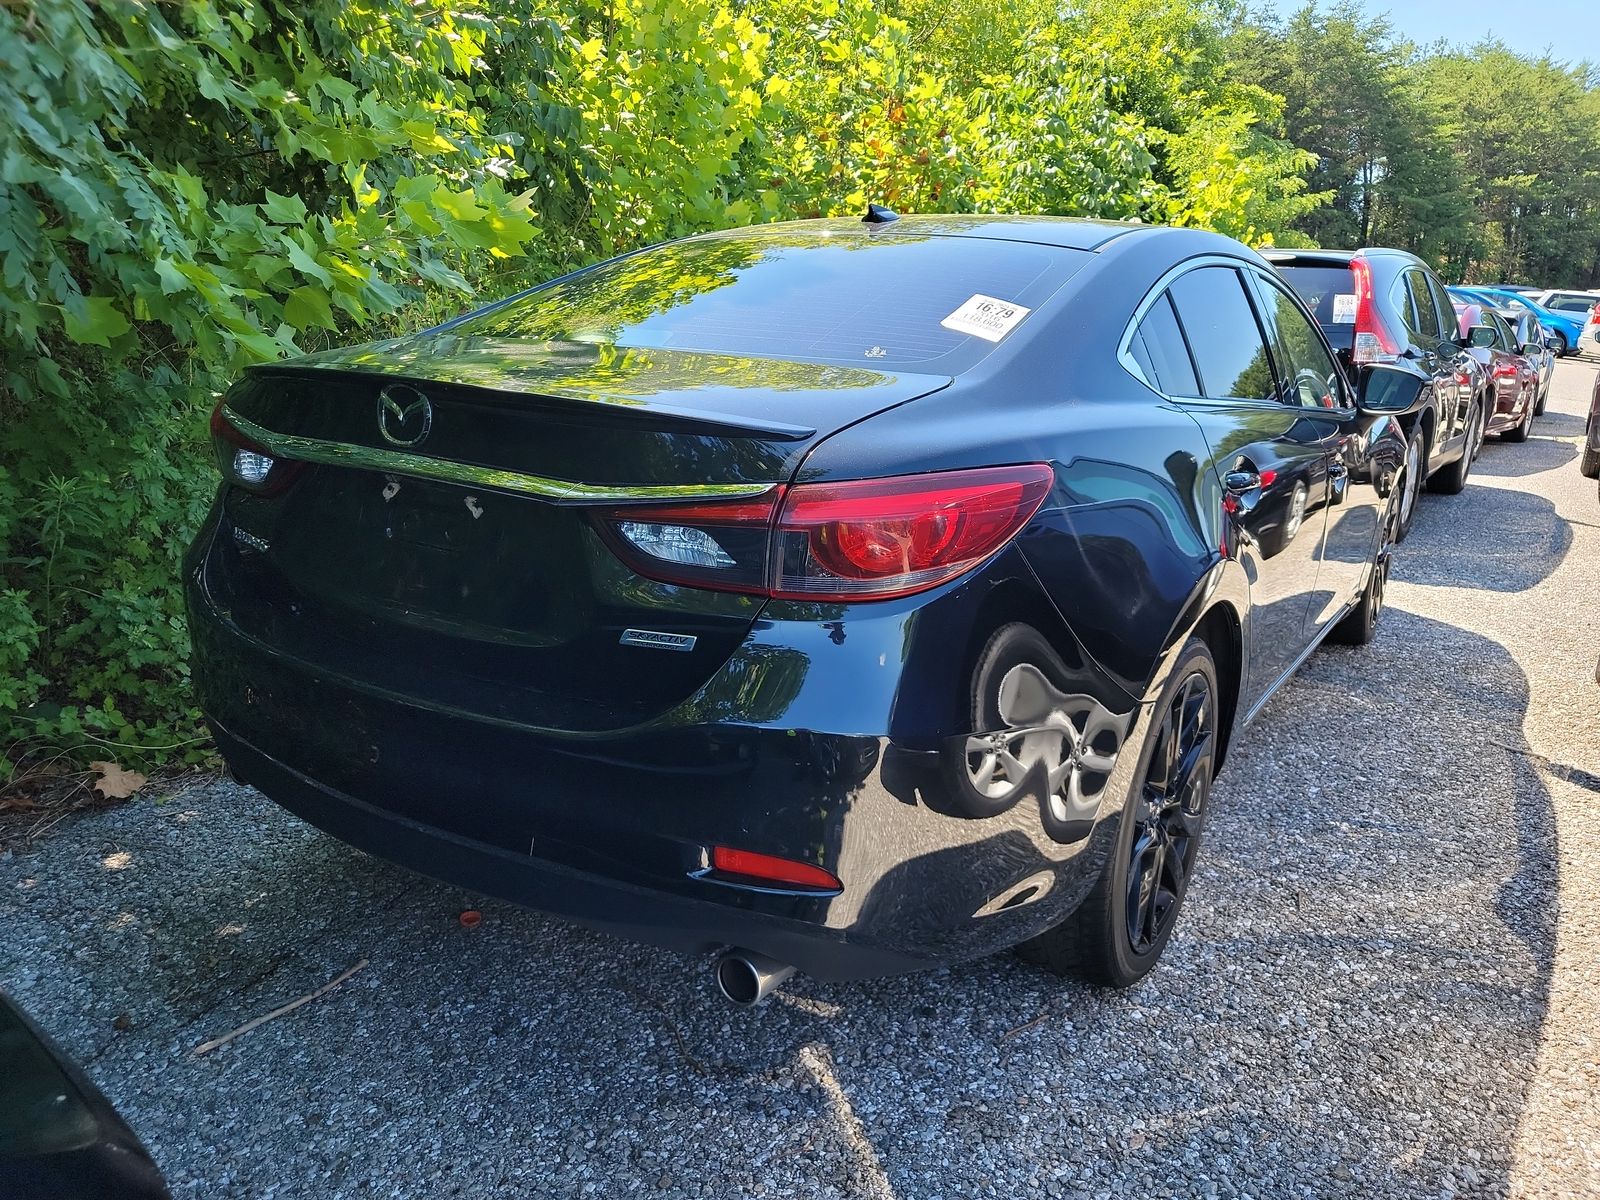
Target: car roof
pixel 1069 233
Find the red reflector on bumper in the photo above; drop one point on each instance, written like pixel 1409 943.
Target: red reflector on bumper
pixel 769 869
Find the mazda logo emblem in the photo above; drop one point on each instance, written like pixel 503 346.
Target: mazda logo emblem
pixel 405 415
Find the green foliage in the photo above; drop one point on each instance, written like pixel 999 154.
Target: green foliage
pixel 1484 162
pixel 184 190
pixel 189 188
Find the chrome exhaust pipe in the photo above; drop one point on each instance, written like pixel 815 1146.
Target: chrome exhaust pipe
pixel 748 978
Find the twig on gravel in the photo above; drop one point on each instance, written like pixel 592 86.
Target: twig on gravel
pixel 1025 1026
pixel 207 1047
pixel 699 1067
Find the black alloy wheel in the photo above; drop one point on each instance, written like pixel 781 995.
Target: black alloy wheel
pixel 1116 936
pixel 1171 805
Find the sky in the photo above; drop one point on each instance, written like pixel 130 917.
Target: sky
pixel 1569 29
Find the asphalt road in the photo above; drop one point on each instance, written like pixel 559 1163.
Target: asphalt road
pixel 1386 982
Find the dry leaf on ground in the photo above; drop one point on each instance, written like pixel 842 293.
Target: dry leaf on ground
pixel 115 783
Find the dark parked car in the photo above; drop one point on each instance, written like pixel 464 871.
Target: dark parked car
pixel 1387 306
pixel 1589 459
pixel 1509 366
pixel 59 1138
pixel 861 596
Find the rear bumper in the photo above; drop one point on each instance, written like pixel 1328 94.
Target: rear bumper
pixel 614 830
pixel 631 909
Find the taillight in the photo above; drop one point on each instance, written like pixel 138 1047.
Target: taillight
pixel 247 464
pixel 864 539
pixel 1373 341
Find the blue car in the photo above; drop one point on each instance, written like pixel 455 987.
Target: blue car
pixel 1565 327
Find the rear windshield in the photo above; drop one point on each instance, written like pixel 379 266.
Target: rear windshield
pixel 1330 294
pixel 891 300
pixel 1571 303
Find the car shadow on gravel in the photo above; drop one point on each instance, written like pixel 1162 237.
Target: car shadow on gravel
pixel 1526 541
pixel 1352 1003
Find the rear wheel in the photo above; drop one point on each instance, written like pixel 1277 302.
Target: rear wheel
pixel 1589 460
pixel 1519 433
pixel 1544 396
pixel 1453 478
pixel 1411 475
pixel 1117 934
pixel 1360 625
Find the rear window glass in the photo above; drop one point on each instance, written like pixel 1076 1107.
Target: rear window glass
pixel 1320 288
pixel 855 299
pixel 1158 347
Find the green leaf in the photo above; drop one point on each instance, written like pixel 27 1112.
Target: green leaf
pixel 285 210
pixel 172 279
pixel 302 261
pixel 94 320
pixel 308 308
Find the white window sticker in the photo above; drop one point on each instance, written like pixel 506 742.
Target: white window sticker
pixel 1344 308
pixel 986 317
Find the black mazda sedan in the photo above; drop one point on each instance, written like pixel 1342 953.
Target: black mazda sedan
pixel 848 596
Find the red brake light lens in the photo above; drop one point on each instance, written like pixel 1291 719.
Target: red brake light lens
pixel 1373 341
pixel 878 538
pixel 864 539
pixel 746 866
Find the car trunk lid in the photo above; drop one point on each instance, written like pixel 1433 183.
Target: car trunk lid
pixel 441 540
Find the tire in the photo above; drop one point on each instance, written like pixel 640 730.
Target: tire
pixel 1519 433
pixel 1589 460
pixel 1360 624
pixel 1413 473
pixel 1160 826
pixel 1544 398
pixel 1020 654
pixel 1450 480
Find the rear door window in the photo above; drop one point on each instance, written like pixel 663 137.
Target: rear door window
pixel 1220 322
pixel 1162 354
pixel 1441 305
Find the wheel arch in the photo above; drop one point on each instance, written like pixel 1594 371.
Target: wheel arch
pixel 1217 613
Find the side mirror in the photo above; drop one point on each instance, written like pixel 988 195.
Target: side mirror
pixel 1550 342
pixel 1481 336
pixel 1391 391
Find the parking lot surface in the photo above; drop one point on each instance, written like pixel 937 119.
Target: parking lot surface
pixel 1386 981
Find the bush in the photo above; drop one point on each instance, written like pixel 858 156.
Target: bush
pixel 189 188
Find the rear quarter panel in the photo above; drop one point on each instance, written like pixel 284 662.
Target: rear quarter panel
pixel 1127 547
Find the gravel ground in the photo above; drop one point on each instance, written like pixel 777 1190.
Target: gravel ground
pixel 1386 983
